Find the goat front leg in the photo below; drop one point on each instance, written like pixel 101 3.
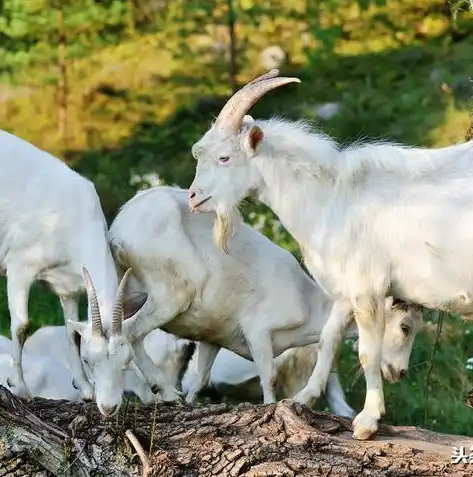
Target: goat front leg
pixel 261 349
pixel 18 289
pixel 329 341
pixel 369 316
pixel 206 354
pixel 70 308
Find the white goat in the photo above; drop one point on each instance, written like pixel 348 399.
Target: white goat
pixel 52 228
pixel 233 374
pixel 45 377
pixel 168 352
pixel 256 301
pixel 371 220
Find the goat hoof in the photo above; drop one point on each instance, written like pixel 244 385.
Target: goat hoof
pixel 9 383
pixel 364 426
pixel 305 398
pixel 74 385
pixel 155 389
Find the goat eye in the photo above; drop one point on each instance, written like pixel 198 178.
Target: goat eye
pixel 405 329
pixel 223 158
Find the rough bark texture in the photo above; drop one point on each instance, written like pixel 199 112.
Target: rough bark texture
pixel 56 438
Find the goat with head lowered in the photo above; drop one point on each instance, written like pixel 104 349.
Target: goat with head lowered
pixel 373 219
pixel 106 346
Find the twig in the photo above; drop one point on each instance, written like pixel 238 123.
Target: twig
pixel 429 372
pixel 140 451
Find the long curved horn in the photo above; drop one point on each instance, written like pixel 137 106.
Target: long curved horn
pixel 117 319
pixel 272 73
pixel 231 115
pixel 93 303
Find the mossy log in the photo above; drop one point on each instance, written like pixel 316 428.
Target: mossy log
pixel 45 438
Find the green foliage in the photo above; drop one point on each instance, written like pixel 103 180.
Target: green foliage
pixel 147 77
pixel 28 29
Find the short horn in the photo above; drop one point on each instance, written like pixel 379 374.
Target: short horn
pixel 93 303
pixel 117 320
pixel 232 114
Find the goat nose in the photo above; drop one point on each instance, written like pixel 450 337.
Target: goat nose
pixel 191 194
pixel 402 373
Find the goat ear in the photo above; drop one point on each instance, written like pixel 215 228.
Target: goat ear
pixel 253 137
pixel 133 304
pixel 78 326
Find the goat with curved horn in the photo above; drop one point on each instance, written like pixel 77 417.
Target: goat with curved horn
pixel 117 319
pixel 94 304
pixel 232 114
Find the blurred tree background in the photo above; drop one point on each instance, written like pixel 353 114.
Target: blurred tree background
pixel 120 89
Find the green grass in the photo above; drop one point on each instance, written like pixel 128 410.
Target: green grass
pixel 399 73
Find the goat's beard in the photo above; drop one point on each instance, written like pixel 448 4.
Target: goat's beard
pixel 226 222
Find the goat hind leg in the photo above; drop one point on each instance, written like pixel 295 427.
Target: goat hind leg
pixel 70 308
pixel 18 289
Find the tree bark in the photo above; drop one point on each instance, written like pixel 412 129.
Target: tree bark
pixel 57 438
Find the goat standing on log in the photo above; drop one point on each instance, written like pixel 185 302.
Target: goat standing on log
pixel 256 301
pixel 371 220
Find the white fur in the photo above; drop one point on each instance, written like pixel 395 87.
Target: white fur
pixel 371 220
pixel 51 225
pixel 256 301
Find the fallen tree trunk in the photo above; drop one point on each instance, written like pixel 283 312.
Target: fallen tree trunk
pixel 56 438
